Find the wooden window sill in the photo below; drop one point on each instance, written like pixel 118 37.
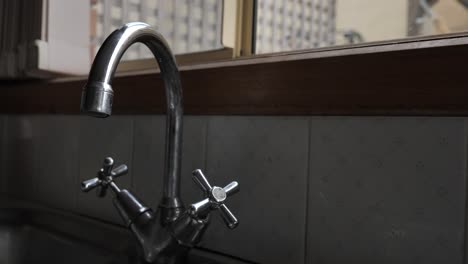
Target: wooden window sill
pixel 424 76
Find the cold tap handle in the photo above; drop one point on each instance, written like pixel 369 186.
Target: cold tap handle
pixel 201 180
pixel 201 207
pixel 228 217
pixel 215 198
pixel 231 188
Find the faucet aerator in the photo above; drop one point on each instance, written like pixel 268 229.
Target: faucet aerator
pixel 97 99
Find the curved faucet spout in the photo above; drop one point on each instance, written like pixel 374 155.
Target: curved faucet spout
pixel 98 95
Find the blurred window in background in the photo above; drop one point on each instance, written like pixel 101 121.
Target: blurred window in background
pixel 292 25
pixel 288 25
pixel 188 25
pixel 40 38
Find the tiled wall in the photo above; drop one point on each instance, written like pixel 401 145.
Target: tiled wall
pixel 313 189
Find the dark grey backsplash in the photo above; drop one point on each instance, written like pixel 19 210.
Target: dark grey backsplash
pixel 313 189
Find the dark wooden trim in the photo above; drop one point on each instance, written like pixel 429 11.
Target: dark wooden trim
pixel 425 77
pixel 182 59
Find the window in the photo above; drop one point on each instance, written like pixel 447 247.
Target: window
pixel 188 25
pixel 291 25
pixel 301 24
pixel 207 30
pixel 267 26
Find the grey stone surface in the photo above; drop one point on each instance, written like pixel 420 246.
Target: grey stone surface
pixel 386 190
pixel 377 189
pixel 41 158
pixel 55 164
pixel 268 156
pixel 18 163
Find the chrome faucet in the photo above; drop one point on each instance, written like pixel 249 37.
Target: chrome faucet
pixel 166 234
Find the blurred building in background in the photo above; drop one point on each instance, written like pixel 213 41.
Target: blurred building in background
pixel 187 25
pixel 281 25
pixel 293 25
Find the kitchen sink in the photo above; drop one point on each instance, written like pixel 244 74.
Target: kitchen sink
pixel 49 236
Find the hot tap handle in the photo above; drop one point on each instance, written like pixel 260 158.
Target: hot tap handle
pixel 107 166
pixel 90 184
pixel 119 171
pixel 101 190
pixel 105 176
pixel 215 199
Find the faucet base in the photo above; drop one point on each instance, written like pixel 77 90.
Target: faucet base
pixel 171 208
pixel 167 244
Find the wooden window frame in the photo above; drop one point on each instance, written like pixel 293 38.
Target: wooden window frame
pixel 237 37
pixel 417 77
